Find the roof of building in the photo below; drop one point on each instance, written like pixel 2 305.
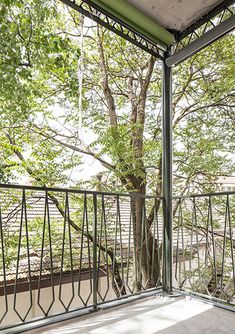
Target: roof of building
pixel 226 180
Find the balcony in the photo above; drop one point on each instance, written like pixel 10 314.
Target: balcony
pixel 67 253
pixel 101 262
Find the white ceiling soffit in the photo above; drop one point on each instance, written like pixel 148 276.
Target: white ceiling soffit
pixel 174 14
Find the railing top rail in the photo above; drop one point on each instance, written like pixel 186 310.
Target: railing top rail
pixel 75 191
pixel 106 193
pixel 221 193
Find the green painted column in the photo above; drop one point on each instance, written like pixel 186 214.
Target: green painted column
pixel 167 177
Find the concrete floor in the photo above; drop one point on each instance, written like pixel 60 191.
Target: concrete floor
pixel 160 315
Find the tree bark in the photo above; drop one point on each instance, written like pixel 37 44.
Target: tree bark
pixel 147 259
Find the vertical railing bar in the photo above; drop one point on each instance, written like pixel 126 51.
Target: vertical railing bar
pixel 51 254
pixel 114 256
pixel 4 268
pixel 159 255
pixel 134 243
pixel 120 236
pixel 18 256
pixel 81 250
pixel 141 241
pixel 213 243
pixel 41 260
pixel 224 242
pixel 177 244
pixel 23 215
pixel 105 256
pixel 62 256
pixel 91 270
pixel 71 251
pixel 99 238
pixel 95 252
pixel 182 242
pixel 146 238
pixel 28 256
pixel 106 246
pixel 197 240
pixel 231 240
pixel 129 248
pixel 46 218
pixel 153 243
pixel 191 250
pixel 207 235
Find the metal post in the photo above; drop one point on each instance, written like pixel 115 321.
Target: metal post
pixel 167 176
pixel 95 274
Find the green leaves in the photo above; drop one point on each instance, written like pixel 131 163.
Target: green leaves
pixel 36 60
pixel 40 69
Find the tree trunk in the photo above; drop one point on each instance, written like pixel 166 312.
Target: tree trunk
pixel 147 257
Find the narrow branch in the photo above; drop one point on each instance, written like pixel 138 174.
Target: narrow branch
pixel 77 149
pixel 105 83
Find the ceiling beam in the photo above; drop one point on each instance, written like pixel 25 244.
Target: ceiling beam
pixel 203 41
pixel 106 19
pixel 223 6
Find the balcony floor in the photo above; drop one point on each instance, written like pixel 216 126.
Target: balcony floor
pixel 155 315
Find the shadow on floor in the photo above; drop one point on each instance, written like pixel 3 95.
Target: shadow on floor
pixel 159 315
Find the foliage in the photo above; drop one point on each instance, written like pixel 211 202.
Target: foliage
pixel 35 63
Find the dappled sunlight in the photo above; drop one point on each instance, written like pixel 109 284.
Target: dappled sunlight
pixel 161 315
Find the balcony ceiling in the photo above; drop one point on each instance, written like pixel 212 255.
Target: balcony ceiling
pixel 174 14
pixel 158 19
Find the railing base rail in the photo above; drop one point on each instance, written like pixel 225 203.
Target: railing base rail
pixel 207 299
pixel 39 323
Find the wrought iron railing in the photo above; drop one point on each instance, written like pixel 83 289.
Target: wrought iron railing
pixel 204 247
pixel 65 249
